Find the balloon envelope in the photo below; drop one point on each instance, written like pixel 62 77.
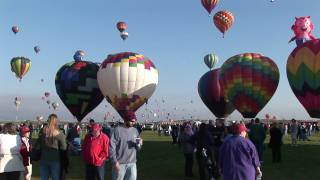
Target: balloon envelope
pixel 303 72
pixel 209 5
pixel 223 20
pixel 36 49
pixel 15 29
pixel 77 87
pixel 210 60
pixel 124 35
pixel 122 26
pixel 210 92
pixel 20 66
pixel 249 81
pixel 127 80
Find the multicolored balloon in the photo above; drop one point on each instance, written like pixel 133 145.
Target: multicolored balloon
pixel 210 60
pixel 209 5
pixel 122 26
pixel 223 21
pixel 127 80
pixel 15 29
pixel 303 70
pixel 20 66
pixel 210 92
pixel 124 35
pixel 249 81
pixel 302 29
pixel 36 49
pixel 78 55
pixel 77 87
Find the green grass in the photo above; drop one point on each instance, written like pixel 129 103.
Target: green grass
pixel 160 160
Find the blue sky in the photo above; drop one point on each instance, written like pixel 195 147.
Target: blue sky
pixel 175 34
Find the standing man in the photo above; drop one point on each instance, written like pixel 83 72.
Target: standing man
pixel 124 143
pixel 238 158
pixel 294 132
pixel 275 142
pixel 257 135
pixel 95 152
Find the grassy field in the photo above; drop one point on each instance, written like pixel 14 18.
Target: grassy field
pixel 160 160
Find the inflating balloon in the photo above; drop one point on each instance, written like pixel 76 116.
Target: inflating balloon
pixel 77 87
pixel 302 29
pixel 36 49
pixel 20 66
pixel 249 81
pixel 209 5
pixel 127 80
pixel 210 92
pixel 124 35
pixel 15 29
pixel 223 21
pixel 78 55
pixel 122 26
pixel 303 69
pixel 210 60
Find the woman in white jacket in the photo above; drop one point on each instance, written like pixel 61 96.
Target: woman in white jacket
pixel 11 164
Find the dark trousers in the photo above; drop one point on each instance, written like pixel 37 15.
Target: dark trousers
pixel 276 154
pixel 189 164
pixel 259 148
pixel 94 172
pixel 205 170
pixel 10 175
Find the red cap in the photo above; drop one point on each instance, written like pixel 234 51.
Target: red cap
pixel 239 128
pixel 128 116
pixel 24 129
pixel 95 127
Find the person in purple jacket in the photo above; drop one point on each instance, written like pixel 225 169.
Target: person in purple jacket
pixel 238 158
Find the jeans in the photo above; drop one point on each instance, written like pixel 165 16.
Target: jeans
pixel 276 154
pixel 189 164
pixel 259 148
pixel 49 169
pixel 126 172
pixel 94 172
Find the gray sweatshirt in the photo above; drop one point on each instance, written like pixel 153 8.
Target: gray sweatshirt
pixel 123 147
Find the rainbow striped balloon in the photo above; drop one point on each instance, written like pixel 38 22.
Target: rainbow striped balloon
pixel 249 81
pixel 20 66
pixel 303 72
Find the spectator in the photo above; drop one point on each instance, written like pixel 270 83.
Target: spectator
pixel 187 148
pixel 275 142
pixel 25 151
pixel 238 158
pixel 11 165
pixel 257 135
pixel 95 153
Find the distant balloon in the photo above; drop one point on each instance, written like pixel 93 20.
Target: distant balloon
pixel 210 60
pixel 210 92
pixel 77 87
pixel 124 35
pixel 46 94
pixel 127 80
pixel 39 118
pixel 48 102
pixel 223 21
pixel 20 66
pixel 249 81
pixel 122 26
pixel 43 98
pixel 15 29
pixel 17 101
pixel 55 105
pixel 209 5
pixel 303 70
pixel 36 49
pixel 267 116
pixel 78 55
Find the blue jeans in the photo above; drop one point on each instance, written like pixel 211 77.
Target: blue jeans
pixel 126 172
pixel 94 172
pixel 49 169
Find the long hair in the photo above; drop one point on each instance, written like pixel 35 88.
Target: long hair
pixel 51 129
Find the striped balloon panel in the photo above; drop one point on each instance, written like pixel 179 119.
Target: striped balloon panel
pixel 303 72
pixel 249 81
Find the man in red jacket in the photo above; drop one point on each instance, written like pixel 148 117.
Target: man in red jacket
pixel 95 150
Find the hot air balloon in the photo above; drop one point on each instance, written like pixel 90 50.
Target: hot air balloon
pixel 48 102
pixel 122 26
pixel 124 35
pixel 127 80
pixel 210 60
pixel 36 49
pixel 209 5
pixel 17 101
pixel 303 69
pixel 223 21
pixel 210 92
pixel 249 81
pixel 46 94
pixel 267 116
pixel 39 118
pixel 55 105
pixel 78 55
pixel 20 66
pixel 77 87
pixel 15 29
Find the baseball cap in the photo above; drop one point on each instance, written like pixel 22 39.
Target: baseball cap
pixel 239 128
pixel 24 129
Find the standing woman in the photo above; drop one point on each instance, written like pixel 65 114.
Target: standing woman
pixel 52 143
pixel 25 151
pixel 185 139
pixel 11 164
